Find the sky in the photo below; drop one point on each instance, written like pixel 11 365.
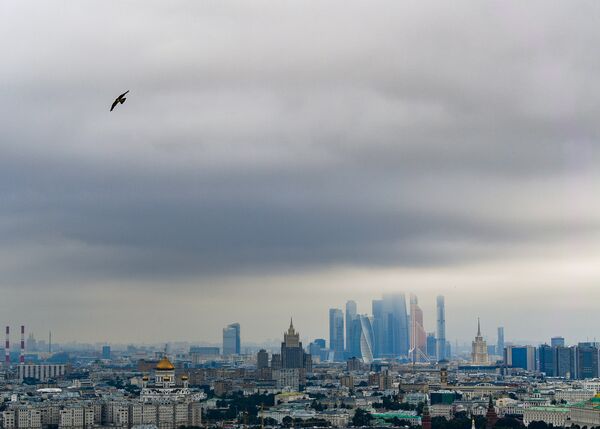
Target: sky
pixel 276 158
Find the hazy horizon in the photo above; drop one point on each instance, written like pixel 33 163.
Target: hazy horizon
pixel 275 159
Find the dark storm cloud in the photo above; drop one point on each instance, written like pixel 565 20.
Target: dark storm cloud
pixel 266 137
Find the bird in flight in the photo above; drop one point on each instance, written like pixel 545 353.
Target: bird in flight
pixel 120 99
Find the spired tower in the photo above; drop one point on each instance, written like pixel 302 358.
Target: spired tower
pixel 426 417
pixel 479 354
pixel 491 417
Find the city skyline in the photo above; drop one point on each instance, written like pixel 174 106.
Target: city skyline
pixel 430 314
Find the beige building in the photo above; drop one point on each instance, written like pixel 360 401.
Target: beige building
pixel 479 354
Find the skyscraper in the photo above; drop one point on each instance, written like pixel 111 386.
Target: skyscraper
pixel 500 343
pixel 547 357
pixel 362 336
pixel 418 336
pixel 431 346
pixel 231 339
pixel 106 352
pixel 566 362
pixel 292 353
pixel 262 359
pixel 336 333
pixel 440 352
pixel 378 332
pixel 479 354
pixel 350 316
pixel 587 360
pixel 396 336
pixel 557 342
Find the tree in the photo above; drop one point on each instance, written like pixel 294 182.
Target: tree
pixel 508 423
pixel 361 418
pixel 538 425
pixel 270 421
pixel 287 422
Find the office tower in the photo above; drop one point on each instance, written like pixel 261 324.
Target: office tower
pixel 262 359
pixel 565 362
pixel 292 353
pixel 396 333
pixel 500 343
pixel 448 350
pixel 362 336
pixel 378 332
pixel 557 342
pixel 431 346
pixel 106 352
pixel 320 342
pixel 520 357
pixel 440 352
pixel 231 339
pixel 547 357
pixel 317 350
pixel 587 360
pixel 336 333
pixel 418 337
pixel 350 316
pixel 479 353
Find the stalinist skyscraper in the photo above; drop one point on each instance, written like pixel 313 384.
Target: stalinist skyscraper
pixel 479 354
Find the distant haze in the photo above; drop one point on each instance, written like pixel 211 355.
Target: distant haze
pixel 277 158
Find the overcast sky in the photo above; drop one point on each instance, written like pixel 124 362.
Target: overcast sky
pixel 276 158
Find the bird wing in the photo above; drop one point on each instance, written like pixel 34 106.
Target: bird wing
pixel 114 104
pixel 125 93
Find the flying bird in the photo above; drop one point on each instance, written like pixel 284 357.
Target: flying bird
pixel 120 99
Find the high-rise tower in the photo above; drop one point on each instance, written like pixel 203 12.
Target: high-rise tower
pixel 362 335
pixel 479 354
pixel 396 333
pixel 231 339
pixel 418 336
pixel 500 344
pixel 441 329
pixel 350 316
pixel 336 333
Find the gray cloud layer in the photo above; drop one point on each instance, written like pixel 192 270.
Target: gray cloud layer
pixel 264 138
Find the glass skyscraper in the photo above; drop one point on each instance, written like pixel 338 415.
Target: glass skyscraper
pixel 440 352
pixel 351 314
pixel 336 333
pixel 231 339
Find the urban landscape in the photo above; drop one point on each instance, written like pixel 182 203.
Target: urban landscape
pixel 293 214
pixel 380 370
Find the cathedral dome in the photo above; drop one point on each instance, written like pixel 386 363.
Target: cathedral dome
pixel 165 365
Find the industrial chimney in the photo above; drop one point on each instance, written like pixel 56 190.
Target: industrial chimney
pixel 7 348
pixel 22 356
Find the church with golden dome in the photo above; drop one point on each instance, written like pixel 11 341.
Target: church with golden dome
pixel 164 388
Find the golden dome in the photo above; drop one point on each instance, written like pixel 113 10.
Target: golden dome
pixel 184 377
pixel 165 365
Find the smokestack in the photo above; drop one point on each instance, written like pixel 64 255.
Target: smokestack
pixel 7 348
pixel 22 356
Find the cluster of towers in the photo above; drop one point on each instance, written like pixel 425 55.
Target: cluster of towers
pixel 7 347
pixel 391 331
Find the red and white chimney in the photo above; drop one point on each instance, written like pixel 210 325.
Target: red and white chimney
pixel 22 356
pixel 7 347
